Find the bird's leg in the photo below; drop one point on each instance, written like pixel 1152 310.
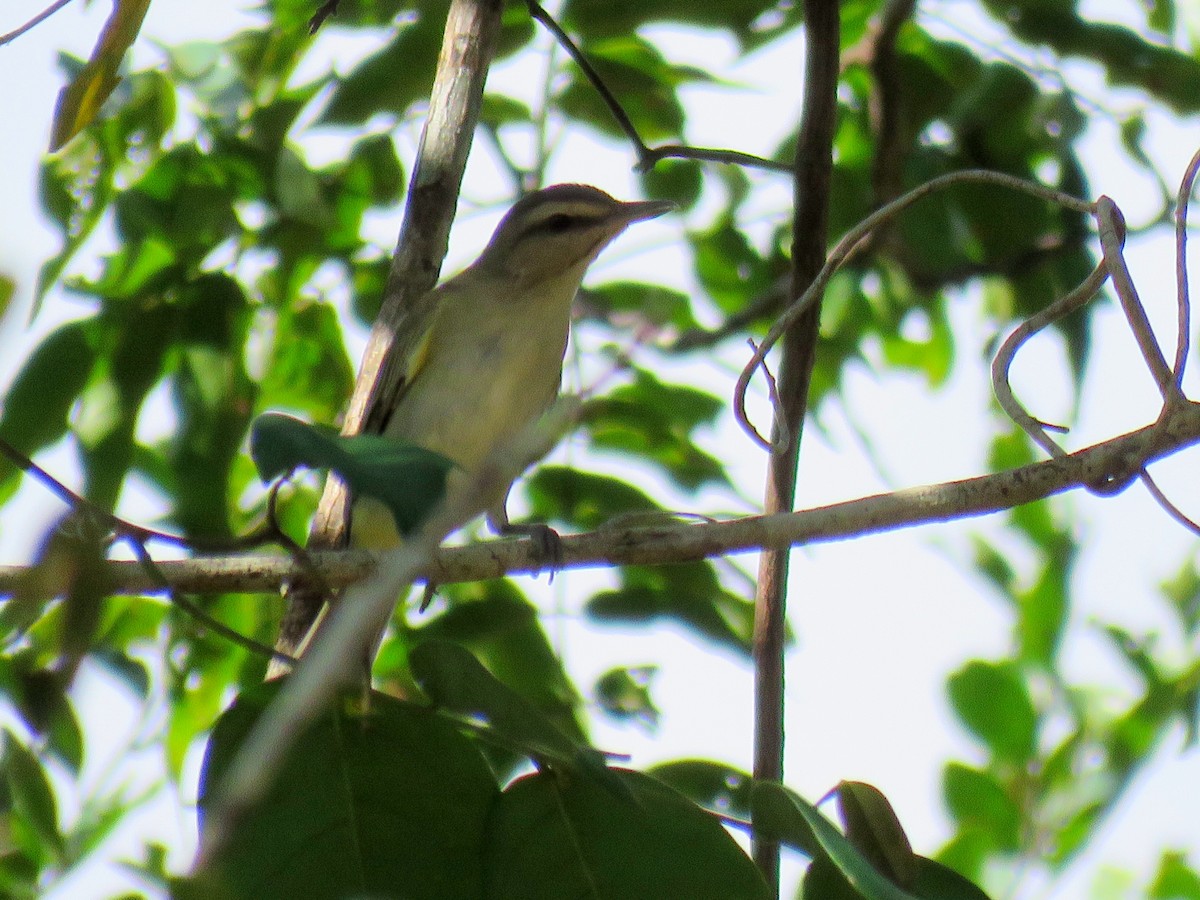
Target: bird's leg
pixel 545 539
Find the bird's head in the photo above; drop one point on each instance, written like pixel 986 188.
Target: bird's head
pixel 558 231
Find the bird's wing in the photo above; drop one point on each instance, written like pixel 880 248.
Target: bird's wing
pixel 414 335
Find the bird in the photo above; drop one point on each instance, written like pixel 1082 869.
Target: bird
pixel 482 353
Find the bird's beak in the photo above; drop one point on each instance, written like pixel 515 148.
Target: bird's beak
pixel 640 210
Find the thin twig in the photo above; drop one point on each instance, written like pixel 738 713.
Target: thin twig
pixel 647 156
pixel 1112 241
pixel 1170 508
pixel 1002 362
pixel 211 623
pixel 136 537
pixel 849 244
pixel 1184 334
pixel 34 22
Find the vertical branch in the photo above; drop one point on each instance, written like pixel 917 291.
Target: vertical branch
pixel 468 45
pixel 814 165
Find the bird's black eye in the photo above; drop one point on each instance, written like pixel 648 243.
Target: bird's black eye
pixel 558 223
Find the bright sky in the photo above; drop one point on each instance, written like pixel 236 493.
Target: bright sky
pixel 880 620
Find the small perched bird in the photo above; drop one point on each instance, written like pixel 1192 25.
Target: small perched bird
pixel 483 351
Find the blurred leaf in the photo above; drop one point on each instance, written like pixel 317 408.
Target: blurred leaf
pixel 582 499
pixel 728 267
pixel 32 796
pixel 1183 592
pixel 642 80
pixel 654 421
pixel 338 814
pixel 992 701
pixel 395 77
pixel 624 694
pixel 873 828
pixel 678 180
pixel 979 802
pixel 713 785
pixel 35 411
pixel 80 102
pixel 750 21
pixel 408 479
pixel 616 301
pixel 553 838
pixel 1126 58
pixel 309 370
pixel 1175 879
pixel 689 593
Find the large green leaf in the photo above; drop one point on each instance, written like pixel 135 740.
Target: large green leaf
pixel 384 802
pixel 993 702
pixel 556 837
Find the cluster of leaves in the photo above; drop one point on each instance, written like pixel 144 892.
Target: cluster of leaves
pixel 348 811
pixel 211 310
pixel 1059 755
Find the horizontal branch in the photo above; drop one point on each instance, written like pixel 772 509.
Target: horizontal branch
pixel 1111 463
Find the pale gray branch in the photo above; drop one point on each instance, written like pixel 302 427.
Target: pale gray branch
pixel 1109 462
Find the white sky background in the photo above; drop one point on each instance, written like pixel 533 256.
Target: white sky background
pixel 880 620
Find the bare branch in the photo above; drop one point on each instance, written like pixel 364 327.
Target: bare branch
pixel 1002 362
pixel 848 245
pixel 647 156
pixel 34 22
pixel 812 176
pixel 1113 460
pixel 468 45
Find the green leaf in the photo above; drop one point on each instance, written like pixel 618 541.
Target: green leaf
pixel 617 301
pixel 32 796
pixel 713 785
pixel 783 815
pixel 689 593
pixel 874 829
pixel 35 411
pixel 624 694
pixel 678 180
pixel 502 629
pixel 978 801
pixel 751 21
pixel 394 799
pixel 654 421
pixel 310 370
pixel 455 681
pixel 80 102
pixel 637 73
pixel 1175 879
pixel 570 837
pixel 582 499
pixel 408 479
pixel 390 80
pixel 993 702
